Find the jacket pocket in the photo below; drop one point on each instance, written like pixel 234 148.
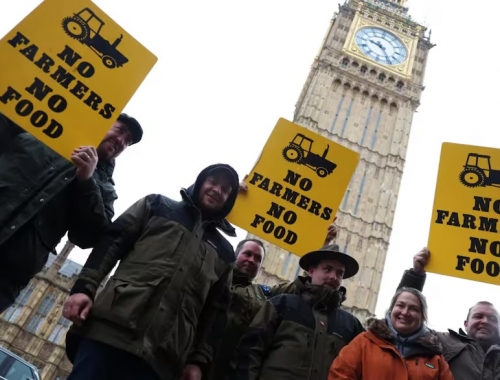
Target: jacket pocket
pixel 125 303
pixel 178 342
pixel 189 324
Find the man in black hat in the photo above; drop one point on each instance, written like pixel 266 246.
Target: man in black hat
pixel 43 196
pixel 298 334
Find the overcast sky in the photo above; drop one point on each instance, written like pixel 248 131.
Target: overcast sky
pixel 228 70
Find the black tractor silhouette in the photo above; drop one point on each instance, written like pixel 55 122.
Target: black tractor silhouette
pixel 300 151
pixel 86 27
pixel 477 172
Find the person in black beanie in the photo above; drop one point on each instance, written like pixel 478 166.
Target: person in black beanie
pixel 166 305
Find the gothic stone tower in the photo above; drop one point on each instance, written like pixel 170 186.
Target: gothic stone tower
pixel 361 92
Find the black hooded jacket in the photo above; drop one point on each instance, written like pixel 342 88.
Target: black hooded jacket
pixel 167 301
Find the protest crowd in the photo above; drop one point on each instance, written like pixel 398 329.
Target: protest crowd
pixel 182 303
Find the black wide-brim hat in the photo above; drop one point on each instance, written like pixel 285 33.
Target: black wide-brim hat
pixel 330 252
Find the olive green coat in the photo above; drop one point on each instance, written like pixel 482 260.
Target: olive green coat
pixel 167 301
pixel 246 301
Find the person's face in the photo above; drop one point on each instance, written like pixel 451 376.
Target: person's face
pixel 328 273
pixel 115 142
pixel 214 192
pixel 482 324
pixel 249 259
pixel 406 314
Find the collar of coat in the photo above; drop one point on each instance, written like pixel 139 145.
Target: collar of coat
pixel 462 336
pixel 221 224
pixel 240 278
pixel 316 295
pixel 428 341
pixel 302 281
pixel 107 166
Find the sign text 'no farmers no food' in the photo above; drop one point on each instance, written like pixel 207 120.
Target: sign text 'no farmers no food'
pixel 295 188
pixel 68 70
pixel 464 236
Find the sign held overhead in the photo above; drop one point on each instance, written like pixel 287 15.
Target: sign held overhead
pixel 295 188
pixel 68 70
pixel 464 235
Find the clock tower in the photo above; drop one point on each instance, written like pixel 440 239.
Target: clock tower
pixel 362 91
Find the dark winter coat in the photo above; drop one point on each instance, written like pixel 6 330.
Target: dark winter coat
pixel 246 300
pixel 167 301
pixel 40 195
pixel 296 336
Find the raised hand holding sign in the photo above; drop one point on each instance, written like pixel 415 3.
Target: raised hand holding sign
pixel 292 194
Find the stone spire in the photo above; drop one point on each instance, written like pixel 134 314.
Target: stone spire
pixel 60 260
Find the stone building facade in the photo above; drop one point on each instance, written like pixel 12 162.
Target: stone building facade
pixel 34 328
pixel 362 91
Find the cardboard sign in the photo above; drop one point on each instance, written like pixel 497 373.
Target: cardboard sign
pixel 295 188
pixel 68 70
pixel 464 236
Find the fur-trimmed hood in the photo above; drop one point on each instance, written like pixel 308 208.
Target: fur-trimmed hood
pixel 427 343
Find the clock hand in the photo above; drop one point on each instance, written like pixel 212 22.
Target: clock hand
pixel 378 44
pixel 387 56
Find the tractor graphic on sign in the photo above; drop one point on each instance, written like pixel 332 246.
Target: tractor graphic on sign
pixel 85 27
pixel 300 151
pixel 477 172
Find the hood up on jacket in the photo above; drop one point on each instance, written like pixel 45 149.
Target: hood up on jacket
pixel 192 193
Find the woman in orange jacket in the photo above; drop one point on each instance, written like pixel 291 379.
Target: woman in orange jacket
pixel 399 347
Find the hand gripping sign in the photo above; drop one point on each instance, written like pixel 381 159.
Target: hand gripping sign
pixel 464 236
pixel 295 188
pixel 67 72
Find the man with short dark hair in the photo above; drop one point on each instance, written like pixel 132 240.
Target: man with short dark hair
pixel 166 304
pixel 475 352
pixel 43 196
pixel 246 300
pixel 297 335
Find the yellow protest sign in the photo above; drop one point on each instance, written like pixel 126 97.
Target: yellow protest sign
pixel 463 239
pixel 295 188
pixel 68 70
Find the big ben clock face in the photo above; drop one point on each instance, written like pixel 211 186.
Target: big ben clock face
pixel 381 46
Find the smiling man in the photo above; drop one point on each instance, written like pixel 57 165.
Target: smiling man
pixel 298 335
pixel 166 304
pixel 43 196
pixel 246 300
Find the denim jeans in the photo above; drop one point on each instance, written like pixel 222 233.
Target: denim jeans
pixel 99 361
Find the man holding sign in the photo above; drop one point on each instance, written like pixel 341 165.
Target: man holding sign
pixel 43 196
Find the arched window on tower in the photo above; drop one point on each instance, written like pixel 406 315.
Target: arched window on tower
pixel 14 311
pixel 363 69
pixel 41 314
pixel 59 330
pixel 400 85
pixel 381 77
pixel 345 62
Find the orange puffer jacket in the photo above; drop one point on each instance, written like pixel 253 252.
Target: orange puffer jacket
pixel 373 355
